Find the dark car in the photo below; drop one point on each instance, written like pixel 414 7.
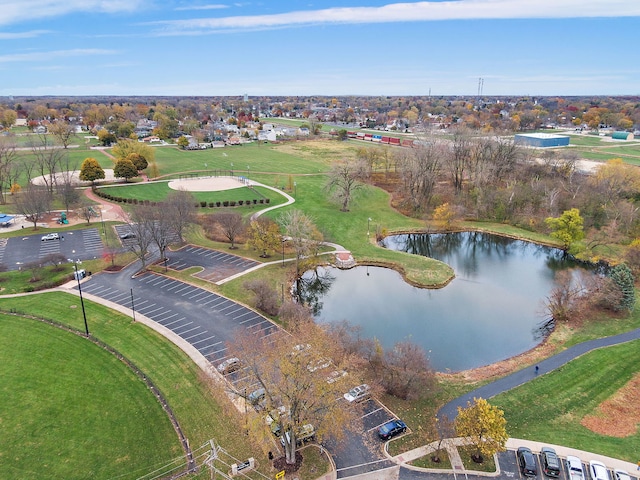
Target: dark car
pixel 391 429
pixel 127 235
pixel 550 462
pixel 527 462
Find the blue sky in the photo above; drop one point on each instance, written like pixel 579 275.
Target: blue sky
pixel 319 47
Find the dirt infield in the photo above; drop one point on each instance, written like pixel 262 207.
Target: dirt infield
pixel 209 184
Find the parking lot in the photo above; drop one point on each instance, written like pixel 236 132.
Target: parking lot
pixel 74 245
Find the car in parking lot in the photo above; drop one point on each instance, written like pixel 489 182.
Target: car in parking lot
pixel 527 462
pixel 229 365
pixel 50 236
pixel 598 470
pixel 391 429
pixel 256 397
pixel 358 394
pixel 127 235
pixel 574 468
pixel 619 474
pixel 550 462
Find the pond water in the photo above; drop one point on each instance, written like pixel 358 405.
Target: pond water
pixel 491 310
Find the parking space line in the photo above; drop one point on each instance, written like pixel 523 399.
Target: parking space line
pixel 182 334
pixel 199 292
pixel 148 312
pixel 204 340
pixel 213 299
pixel 160 320
pixel 174 322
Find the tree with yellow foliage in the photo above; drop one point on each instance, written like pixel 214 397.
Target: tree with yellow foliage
pixel 484 425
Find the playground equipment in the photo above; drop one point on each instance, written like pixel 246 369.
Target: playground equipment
pixel 63 219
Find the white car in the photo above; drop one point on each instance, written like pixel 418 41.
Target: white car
pixel 229 365
pixel 598 470
pixel 50 236
pixel 574 467
pixel 358 394
pixel 621 474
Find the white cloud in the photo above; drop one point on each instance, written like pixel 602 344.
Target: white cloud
pixel 43 56
pixel 15 11
pixel 203 7
pixel 413 12
pixel 20 35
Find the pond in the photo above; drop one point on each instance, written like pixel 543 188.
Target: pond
pixel 490 311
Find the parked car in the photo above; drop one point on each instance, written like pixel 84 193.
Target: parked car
pixel 229 365
pixel 358 394
pixel 598 470
pixel 335 376
pixel 319 364
pixel 256 396
pixel 127 235
pixel 550 462
pixel 50 236
pixel 574 468
pixel 391 429
pixel 306 434
pixel 527 462
pixel 621 475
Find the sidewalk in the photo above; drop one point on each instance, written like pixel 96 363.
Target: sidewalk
pixel 457 466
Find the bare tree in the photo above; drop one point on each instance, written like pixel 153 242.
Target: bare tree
pixel 33 203
pixel 345 178
pixel 139 226
pixel 7 163
pixel 407 373
pixel 181 208
pixel 232 225
pixel 303 236
pixel 420 168
pixel 458 158
pixel 63 131
pixel 48 159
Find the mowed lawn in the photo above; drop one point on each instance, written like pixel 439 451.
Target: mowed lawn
pixel 132 412
pixel 70 409
pixel 550 408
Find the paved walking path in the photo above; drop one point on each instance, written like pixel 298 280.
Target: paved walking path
pixel 522 376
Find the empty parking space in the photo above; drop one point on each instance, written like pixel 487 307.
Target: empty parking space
pixel 73 245
pixel 216 264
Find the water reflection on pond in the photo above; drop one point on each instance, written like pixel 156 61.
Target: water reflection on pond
pixel 489 312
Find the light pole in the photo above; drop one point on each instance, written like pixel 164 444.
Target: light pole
pixel 232 169
pixel 283 240
pixel 104 231
pixel 295 189
pixel 368 225
pixel 84 313
pixel 248 172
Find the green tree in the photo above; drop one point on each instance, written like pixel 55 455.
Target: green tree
pixel 623 278
pixel 567 228
pixel 90 170
pixel 125 169
pixel 8 118
pixel 484 425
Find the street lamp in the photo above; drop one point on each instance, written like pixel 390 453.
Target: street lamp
pixel 84 313
pixel 104 231
pixel 368 225
pixel 283 240
pixel 247 172
pixel 232 169
pixel 295 189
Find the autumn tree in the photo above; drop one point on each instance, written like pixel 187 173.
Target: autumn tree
pixel 138 161
pixel 106 138
pixel 484 425
pixel 293 370
pixel 90 170
pixel 232 226
pixel 567 228
pixel 125 147
pixel 8 118
pixel 183 142
pixel 264 236
pixel 125 169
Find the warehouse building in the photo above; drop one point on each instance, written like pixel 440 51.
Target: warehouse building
pixel 541 140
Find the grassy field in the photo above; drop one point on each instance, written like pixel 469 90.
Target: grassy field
pixel 180 380
pixel 549 409
pixel 63 397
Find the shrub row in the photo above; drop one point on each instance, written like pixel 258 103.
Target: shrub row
pixel 202 204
